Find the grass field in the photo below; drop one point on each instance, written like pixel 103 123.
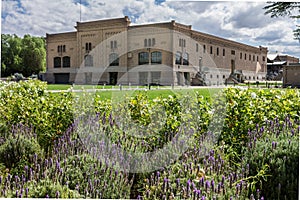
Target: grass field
pixel 115 92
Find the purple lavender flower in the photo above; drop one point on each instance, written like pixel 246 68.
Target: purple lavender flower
pixel 207 185
pixel 223 179
pixel 188 185
pixel 57 194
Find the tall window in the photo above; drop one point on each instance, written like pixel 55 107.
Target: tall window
pixel 61 48
pixel 178 58
pixel 143 58
pixel 88 46
pixel 241 55
pixel 204 49
pixel 217 51
pixel 182 42
pixel 88 61
pixel 113 44
pixel 57 62
pixel 223 52
pixel 66 61
pixel 185 59
pixel 113 59
pixel 211 50
pixel 149 42
pixel 245 56
pixel 156 57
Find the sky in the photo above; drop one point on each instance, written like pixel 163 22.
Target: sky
pixel 240 21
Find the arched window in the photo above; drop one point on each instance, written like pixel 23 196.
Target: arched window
pixel 66 61
pixel 185 59
pixel 149 42
pixel 113 59
pixel 143 58
pixel 178 58
pixel 57 62
pixel 156 57
pixel 145 42
pixel 88 61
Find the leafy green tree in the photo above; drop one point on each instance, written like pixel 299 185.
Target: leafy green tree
pixel 11 46
pixel 22 55
pixel 281 9
pixel 33 55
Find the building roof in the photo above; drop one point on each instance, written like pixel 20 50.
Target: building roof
pixel 272 56
pixel 277 63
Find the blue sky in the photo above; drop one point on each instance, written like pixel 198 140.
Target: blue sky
pixel 239 20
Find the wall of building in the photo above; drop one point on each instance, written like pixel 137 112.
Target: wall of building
pixel 99 39
pixel 291 75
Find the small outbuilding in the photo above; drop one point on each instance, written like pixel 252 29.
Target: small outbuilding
pixel 291 75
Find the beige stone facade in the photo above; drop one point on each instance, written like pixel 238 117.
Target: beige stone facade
pixel 291 75
pixel 114 52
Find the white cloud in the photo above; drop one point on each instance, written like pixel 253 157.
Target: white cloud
pixel 240 21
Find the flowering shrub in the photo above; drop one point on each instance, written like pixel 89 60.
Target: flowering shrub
pixel 100 153
pixel 28 103
pixel 246 108
pixel 275 146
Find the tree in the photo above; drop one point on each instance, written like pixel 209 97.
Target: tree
pixel 33 55
pixel 280 9
pixel 22 55
pixel 10 54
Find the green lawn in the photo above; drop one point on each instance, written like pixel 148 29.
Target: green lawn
pixel 114 92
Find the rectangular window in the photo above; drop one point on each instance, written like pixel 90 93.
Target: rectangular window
pixel 223 52
pixel 88 46
pixel 66 61
pixel 249 57
pixel 204 49
pixel 211 50
pixel 88 61
pixel 217 51
pixel 178 58
pixel 253 58
pixel 185 59
pixel 155 77
pixel 241 55
pixel 245 56
pixel 57 62
pixel 156 57
pixel 232 52
pixel 143 58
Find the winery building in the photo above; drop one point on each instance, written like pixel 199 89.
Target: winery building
pixel 113 51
